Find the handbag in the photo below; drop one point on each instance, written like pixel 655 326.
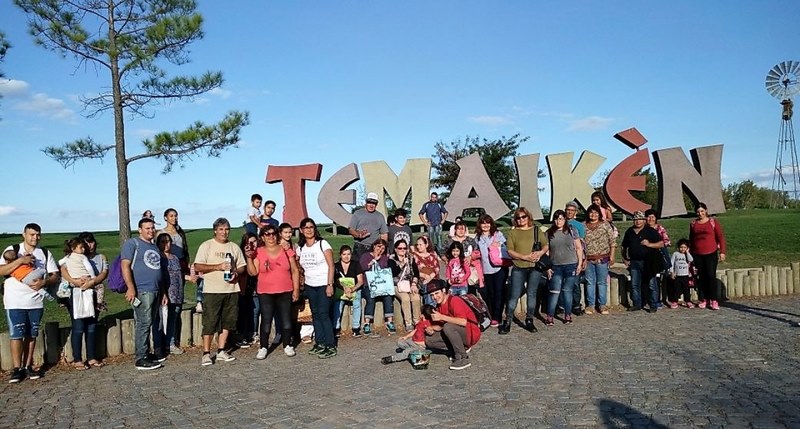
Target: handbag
pixel 380 281
pixel 544 263
pixel 404 285
pixel 83 304
pixel 304 311
pixel 498 256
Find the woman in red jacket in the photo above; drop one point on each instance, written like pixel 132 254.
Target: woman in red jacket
pixel 707 247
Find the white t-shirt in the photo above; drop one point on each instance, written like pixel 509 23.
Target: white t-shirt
pixel 252 211
pixel 19 296
pixel 315 267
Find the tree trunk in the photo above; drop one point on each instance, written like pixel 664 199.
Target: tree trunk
pixel 123 201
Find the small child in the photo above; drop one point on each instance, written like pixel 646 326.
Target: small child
pixel 476 266
pixel 681 273
pixel 413 341
pixel 253 220
pixel 79 267
pixel 28 273
pixel 458 270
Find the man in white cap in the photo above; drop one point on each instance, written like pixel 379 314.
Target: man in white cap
pixel 367 225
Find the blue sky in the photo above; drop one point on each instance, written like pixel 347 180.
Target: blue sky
pixel 348 81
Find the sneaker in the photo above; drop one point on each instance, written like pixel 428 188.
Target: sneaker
pixel 391 328
pixel 316 349
pixel 327 352
pixel 460 364
pixel 356 332
pixel 529 326
pixel 206 360
pixel 603 310
pixel 504 328
pixel 198 308
pixel 409 328
pixel 224 356
pixel 147 364
pixel 589 311
pixel 690 304
pixel 714 305
pixel 156 357
pixel 548 320
pixel 17 375
pixel 289 351
pixel 701 304
pixel 367 329
pixel 33 374
pixel 568 319
pixel 175 350
pixel 673 305
pixel 634 308
pixel 494 324
pixel 387 360
pixel 243 344
pixel 653 309
pixel 262 353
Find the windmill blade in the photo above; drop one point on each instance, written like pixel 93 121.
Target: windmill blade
pixel 782 79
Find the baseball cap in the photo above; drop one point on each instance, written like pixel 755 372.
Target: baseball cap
pixel 372 198
pixel 435 285
pixel 639 215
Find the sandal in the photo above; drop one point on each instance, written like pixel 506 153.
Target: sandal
pixel 306 340
pixel 80 366
pixel 96 363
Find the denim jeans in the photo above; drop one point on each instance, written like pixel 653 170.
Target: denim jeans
pixel 173 323
pixel 275 306
pixel 523 280
pixel 249 314
pixel 637 271
pixel 24 323
pixel 563 280
pixel 369 309
pixel 321 315
pixel 143 317
pixel 435 234
pixel 458 290
pixel 355 318
pixel 596 281
pixel 492 292
pixel 336 313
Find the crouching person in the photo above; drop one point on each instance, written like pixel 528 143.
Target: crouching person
pixel 413 341
pixel 457 328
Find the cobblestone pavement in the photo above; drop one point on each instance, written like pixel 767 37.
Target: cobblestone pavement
pixel 738 367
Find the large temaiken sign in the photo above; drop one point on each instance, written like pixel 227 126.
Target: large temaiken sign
pixel 698 178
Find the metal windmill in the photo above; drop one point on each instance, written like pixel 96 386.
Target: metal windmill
pixel 782 84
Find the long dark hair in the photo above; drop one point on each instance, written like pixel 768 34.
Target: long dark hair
pixel 317 236
pixel 460 247
pixel 245 238
pixel 603 203
pixel 283 226
pixel 161 240
pixel 485 218
pixel 87 238
pixel 552 230
pixel 181 233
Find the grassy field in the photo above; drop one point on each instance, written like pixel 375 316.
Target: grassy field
pixel 751 243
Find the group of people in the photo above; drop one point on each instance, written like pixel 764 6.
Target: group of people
pixel 245 288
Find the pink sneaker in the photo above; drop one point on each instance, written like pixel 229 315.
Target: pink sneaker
pixel 701 304
pixel 673 305
pixel 714 305
pixel 690 304
pixel 495 324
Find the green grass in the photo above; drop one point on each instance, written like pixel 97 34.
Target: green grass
pixel 755 238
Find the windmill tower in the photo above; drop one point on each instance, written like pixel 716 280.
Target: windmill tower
pixel 782 84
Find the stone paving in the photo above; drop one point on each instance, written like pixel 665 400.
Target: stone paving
pixel 738 367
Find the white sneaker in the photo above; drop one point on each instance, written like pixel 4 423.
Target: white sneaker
pixel 198 308
pixel 289 350
pixel 175 350
pixel 224 356
pixel 262 353
pixel 206 360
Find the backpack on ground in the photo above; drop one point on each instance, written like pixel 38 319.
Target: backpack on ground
pixel 115 280
pixel 481 310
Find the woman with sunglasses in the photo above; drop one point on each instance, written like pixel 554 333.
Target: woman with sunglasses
pixel 406 281
pixel 524 251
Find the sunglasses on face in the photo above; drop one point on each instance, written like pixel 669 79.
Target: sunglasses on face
pixel 402 248
pixel 520 217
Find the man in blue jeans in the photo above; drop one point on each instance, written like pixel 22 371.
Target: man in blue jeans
pixel 23 303
pixel 638 241
pixel 433 215
pixel 141 270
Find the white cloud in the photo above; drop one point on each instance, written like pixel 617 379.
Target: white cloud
pixel 43 105
pixel 7 210
pixel 221 93
pixel 589 123
pixel 13 88
pixel 491 120
pixel 764 178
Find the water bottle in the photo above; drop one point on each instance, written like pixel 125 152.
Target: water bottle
pixel 228 274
